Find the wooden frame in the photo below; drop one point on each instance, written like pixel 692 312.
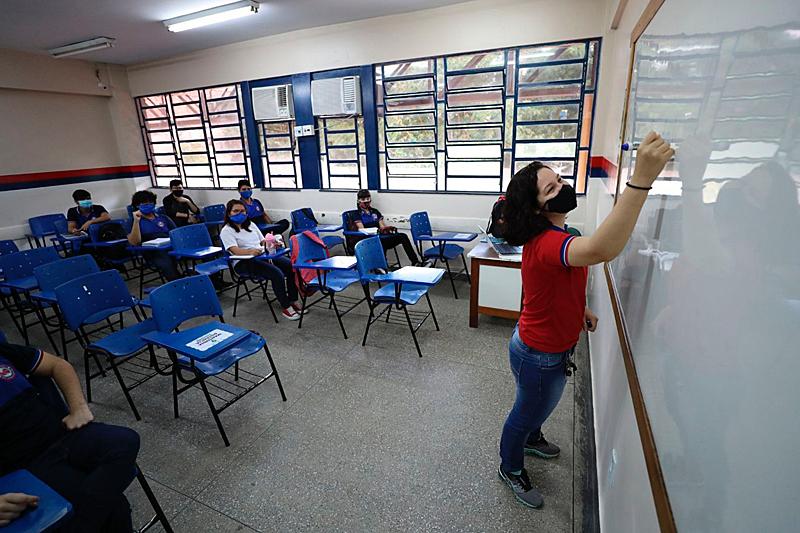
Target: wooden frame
pixel 476 310
pixel 663 507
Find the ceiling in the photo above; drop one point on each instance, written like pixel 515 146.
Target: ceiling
pixel 37 25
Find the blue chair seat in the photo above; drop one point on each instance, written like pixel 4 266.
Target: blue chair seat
pixel 212 267
pixel 332 240
pixel 126 341
pixel 410 293
pixel 226 358
pixel 336 280
pixel 197 253
pixel 26 283
pixel 51 511
pixel 105 313
pixel 451 251
pixel 47 297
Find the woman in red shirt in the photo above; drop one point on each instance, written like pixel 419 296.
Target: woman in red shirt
pixel 554 312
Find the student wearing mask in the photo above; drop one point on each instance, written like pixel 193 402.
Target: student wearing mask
pixel 554 311
pixel 85 213
pixel 88 463
pixel 180 207
pixel 147 225
pixel 240 236
pixel 369 217
pixel 255 209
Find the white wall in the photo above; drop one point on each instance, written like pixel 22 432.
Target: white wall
pixel 624 494
pixel 56 118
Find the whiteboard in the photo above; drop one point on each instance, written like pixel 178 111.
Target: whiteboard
pixel 710 280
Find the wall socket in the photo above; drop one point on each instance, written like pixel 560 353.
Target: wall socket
pixel 304 131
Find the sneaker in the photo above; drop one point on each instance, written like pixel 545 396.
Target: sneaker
pixel 542 448
pixel 521 487
pixel 299 309
pixel 289 314
pixel 426 263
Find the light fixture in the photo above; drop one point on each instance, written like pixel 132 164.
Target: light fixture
pixel 212 16
pixel 98 43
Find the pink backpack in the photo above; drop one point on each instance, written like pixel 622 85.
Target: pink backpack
pixel 303 276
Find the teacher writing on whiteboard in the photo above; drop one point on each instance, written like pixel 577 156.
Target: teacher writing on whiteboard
pixel 554 312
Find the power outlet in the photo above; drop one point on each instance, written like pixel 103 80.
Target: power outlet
pixel 308 129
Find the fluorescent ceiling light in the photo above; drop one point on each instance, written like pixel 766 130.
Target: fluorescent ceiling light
pixel 212 16
pixel 98 43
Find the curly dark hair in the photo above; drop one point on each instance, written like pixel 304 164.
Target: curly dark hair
pixel 143 197
pixel 521 212
pixel 245 225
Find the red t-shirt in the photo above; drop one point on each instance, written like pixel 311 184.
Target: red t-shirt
pixel 553 293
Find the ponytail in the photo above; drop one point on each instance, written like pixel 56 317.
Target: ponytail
pixel 521 211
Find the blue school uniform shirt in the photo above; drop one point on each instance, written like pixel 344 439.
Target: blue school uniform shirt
pixel 157 228
pixel 75 215
pixel 29 425
pixel 371 218
pixel 255 209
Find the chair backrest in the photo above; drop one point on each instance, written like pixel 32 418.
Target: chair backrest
pixel 369 256
pixel 130 211
pixel 96 229
pixel 21 264
pixel 8 247
pixel 45 224
pixel 178 301
pixel 189 237
pixel 60 225
pixel 214 213
pixel 308 250
pixel 91 294
pixel 349 219
pixel 51 275
pixel 420 224
pixel 303 219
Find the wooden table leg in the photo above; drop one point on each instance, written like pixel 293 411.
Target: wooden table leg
pixel 473 292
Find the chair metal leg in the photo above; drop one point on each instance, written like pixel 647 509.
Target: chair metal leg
pixel 338 316
pixel 124 389
pixel 175 371
pixel 450 275
pixel 369 323
pixel 236 297
pixel 303 299
pixel 430 305
pixel 466 270
pixel 388 313
pixel 88 376
pixel 275 371
pixel 214 413
pixel 151 497
pixel 413 333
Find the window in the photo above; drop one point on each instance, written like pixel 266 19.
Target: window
pixel 467 122
pixel 196 136
pixel 342 152
pixel 281 157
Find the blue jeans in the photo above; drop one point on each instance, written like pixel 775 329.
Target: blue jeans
pixel 540 378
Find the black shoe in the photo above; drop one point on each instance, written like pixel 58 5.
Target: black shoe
pixel 542 448
pixel 521 487
pixel 221 285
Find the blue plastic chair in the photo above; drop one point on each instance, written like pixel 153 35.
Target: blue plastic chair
pixel 51 275
pixel 19 281
pixel 52 510
pixel 421 225
pixel 8 247
pixel 369 254
pixel 328 283
pixel 43 226
pixel 302 222
pixel 242 289
pixel 193 243
pixel 214 214
pixel 96 297
pixel 178 301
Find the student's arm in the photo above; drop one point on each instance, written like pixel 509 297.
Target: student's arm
pixel 171 208
pixel 229 243
pixel 72 227
pixel 67 380
pixel 104 217
pixel 192 206
pixel 610 238
pixel 135 236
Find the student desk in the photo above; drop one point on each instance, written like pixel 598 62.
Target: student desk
pixel 496 284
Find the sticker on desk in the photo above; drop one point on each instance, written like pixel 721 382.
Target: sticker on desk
pixel 462 235
pixel 210 339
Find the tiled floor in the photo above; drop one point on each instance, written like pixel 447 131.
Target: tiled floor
pixel 371 438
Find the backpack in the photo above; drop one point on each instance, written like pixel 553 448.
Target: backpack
pixel 302 276
pixel 496 226
pixel 111 231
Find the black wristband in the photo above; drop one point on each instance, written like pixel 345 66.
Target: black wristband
pixel 638 188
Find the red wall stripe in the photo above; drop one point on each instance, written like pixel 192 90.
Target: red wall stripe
pixel 71 174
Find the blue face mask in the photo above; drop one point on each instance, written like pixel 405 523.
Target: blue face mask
pixel 86 204
pixel 246 194
pixel 147 209
pixel 238 218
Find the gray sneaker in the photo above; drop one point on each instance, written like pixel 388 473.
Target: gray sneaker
pixel 521 487
pixel 542 448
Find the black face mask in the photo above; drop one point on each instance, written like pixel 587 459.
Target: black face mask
pixel 178 193
pixel 565 202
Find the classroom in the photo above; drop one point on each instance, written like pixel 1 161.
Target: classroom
pixel 419 265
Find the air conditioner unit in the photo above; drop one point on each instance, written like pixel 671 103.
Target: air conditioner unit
pixel 336 96
pixel 273 103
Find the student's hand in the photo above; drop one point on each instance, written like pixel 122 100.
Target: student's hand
pixel 255 253
pixel 589 320
pixel 137 215
pixel 192 219
pixel 651 156
pixel 78 419
pixel 14 504
pixel 85 226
